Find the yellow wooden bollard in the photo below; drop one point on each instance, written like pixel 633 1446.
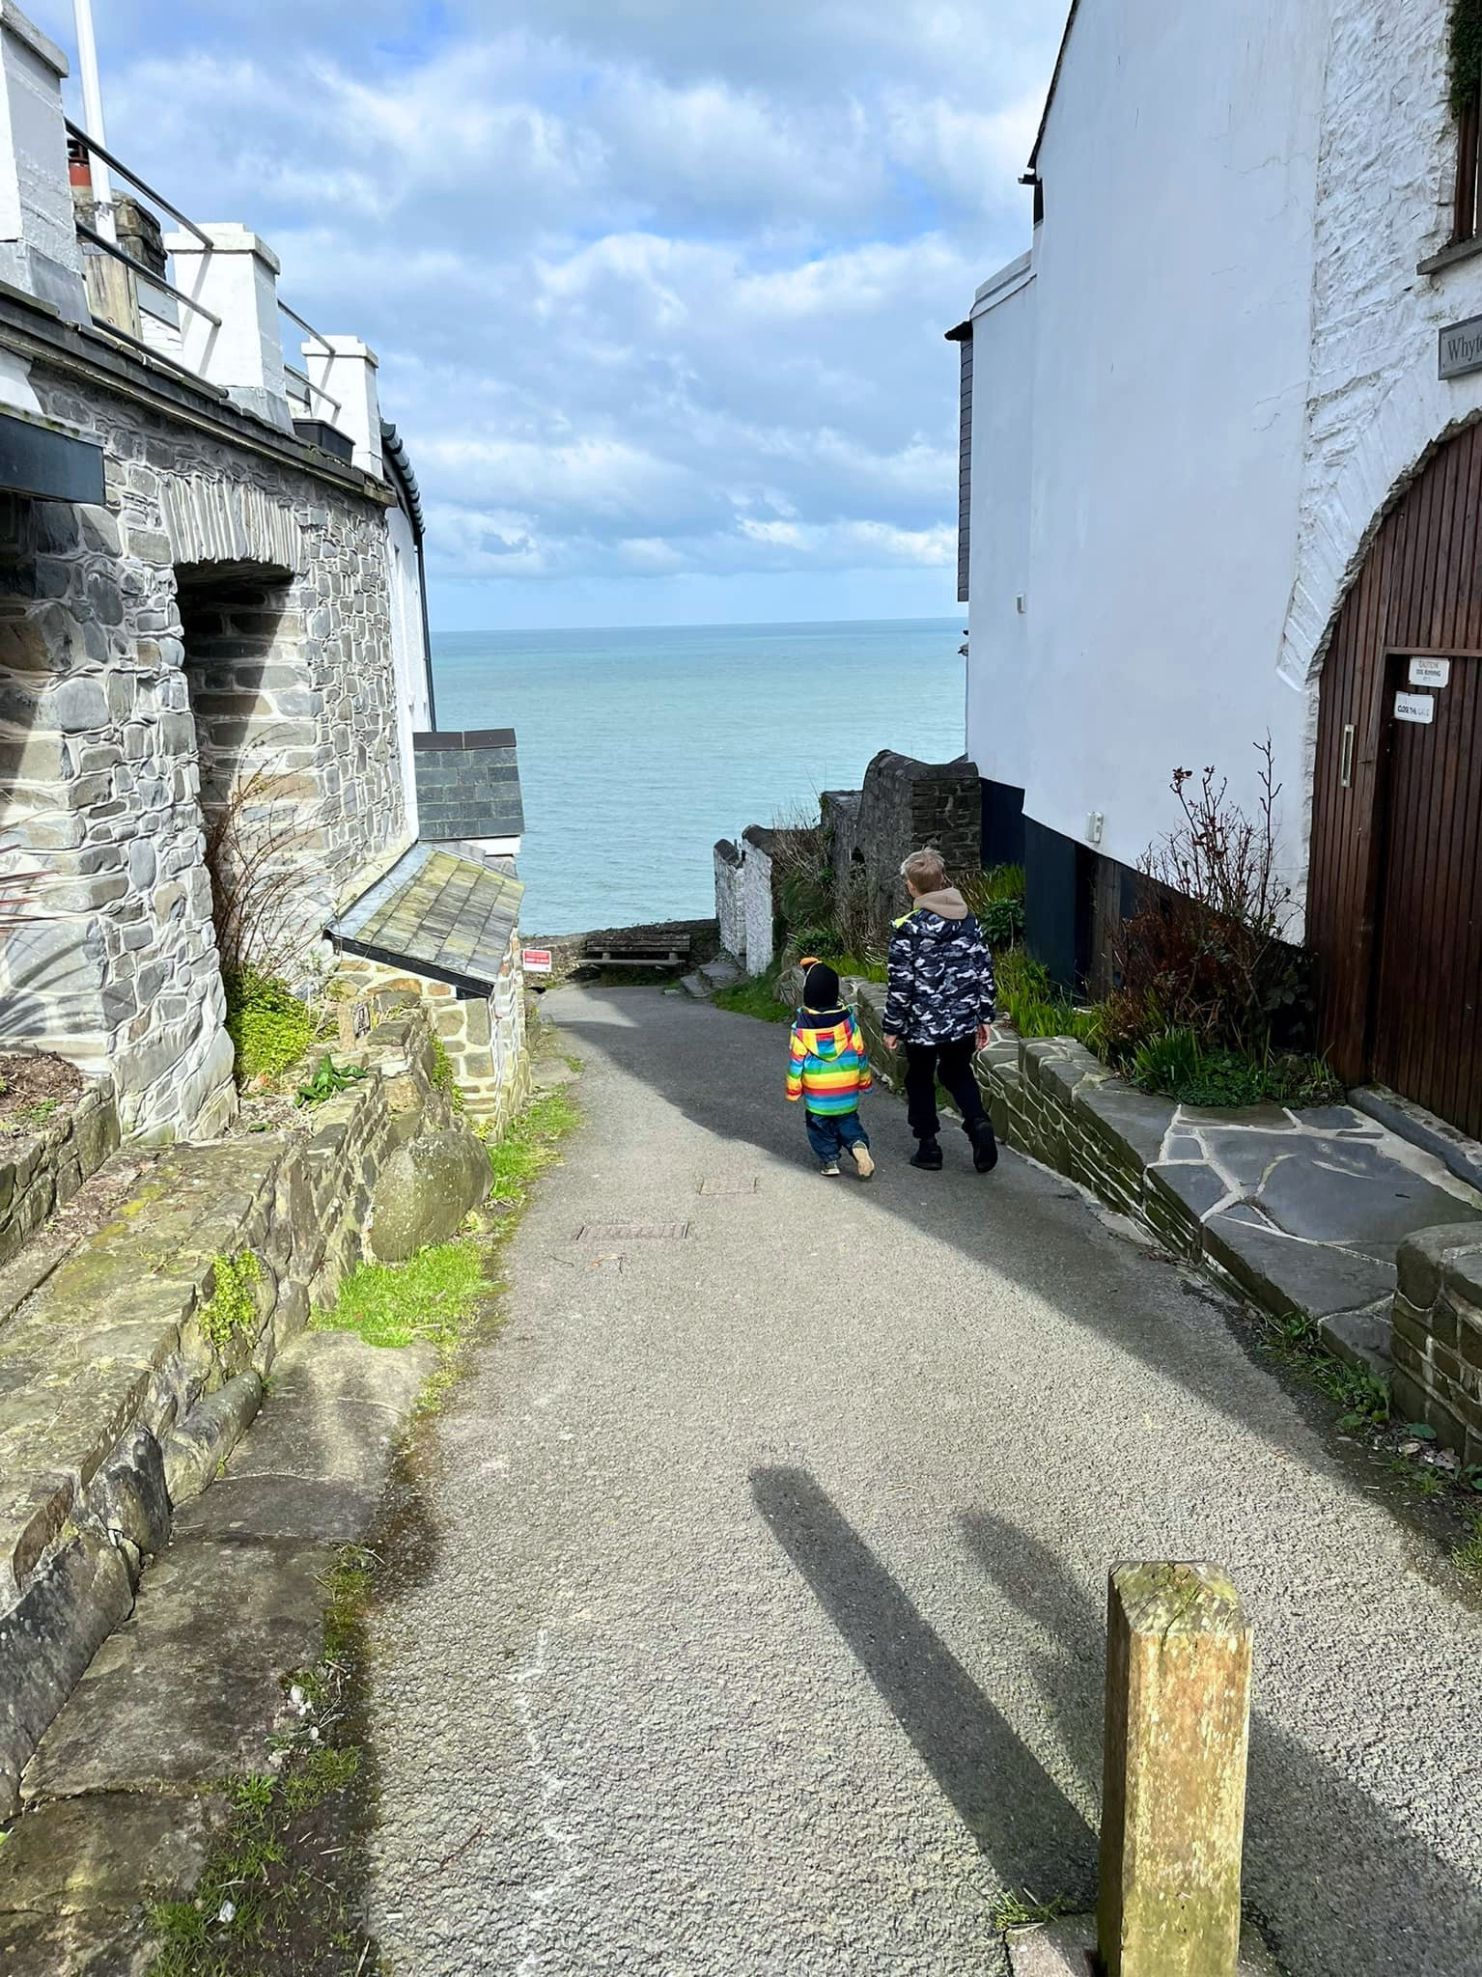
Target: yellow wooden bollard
pixel 1178 1668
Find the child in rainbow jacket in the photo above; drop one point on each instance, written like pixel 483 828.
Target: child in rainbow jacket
pixel 827 1068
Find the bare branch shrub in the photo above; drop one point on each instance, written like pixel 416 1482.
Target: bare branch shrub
pixel 1206 950
pixel 255 834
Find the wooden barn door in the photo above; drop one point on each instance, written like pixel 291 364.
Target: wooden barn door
pixel 1394 909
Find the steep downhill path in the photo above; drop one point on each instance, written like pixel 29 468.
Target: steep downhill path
pixel 762 1629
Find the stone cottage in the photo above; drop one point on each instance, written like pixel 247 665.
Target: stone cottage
pixel 217 735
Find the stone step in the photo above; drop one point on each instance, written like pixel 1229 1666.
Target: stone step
pixel 720 973
pixel 697 986
pixel 190 1691
pixel 95 1202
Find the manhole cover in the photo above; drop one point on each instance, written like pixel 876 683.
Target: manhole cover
pixel 726 1184
pixel 632 1232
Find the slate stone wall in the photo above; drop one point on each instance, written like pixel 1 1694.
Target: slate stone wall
pixel 40 1171
pixel 484 1036
pixel 120 1402
pixel 903 806
pixel 1437 1338
pixel 99 763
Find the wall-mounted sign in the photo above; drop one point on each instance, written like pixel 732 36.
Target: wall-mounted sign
pixel 537 960
pixel 1461 348
pixel 1430 672
pixel 1415 707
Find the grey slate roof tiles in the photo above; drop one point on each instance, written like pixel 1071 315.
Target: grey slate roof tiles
pixel 437 914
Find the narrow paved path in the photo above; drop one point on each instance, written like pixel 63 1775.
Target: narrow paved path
pixel 763 1629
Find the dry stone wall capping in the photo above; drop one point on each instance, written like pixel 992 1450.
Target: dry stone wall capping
pixel 1300 1212
pixel 41 1170
pixel 103 705
pixel 129 1370
pixel 1438 1336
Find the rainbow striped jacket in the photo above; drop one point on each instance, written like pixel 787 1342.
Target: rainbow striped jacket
pixel 827 1065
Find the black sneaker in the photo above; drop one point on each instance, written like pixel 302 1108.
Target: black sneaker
pixel 928 1155
pixel 985 1145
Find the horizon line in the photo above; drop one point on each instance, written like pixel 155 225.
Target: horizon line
pixel 700 625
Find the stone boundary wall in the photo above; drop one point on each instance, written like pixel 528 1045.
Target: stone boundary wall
pixel 484 1036
pixel 124 1386
pixel 1438 1336
pixel 730 899
pixel 40 1171
pixel 1211 1186
pixel 902 806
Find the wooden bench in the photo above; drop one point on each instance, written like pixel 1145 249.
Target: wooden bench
pixel 621 951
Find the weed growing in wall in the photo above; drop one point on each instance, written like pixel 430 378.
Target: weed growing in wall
pixel 231 1311
pixel 267 1023
pixel 442 1076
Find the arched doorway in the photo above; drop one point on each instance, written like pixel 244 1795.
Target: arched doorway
pixel 1395 893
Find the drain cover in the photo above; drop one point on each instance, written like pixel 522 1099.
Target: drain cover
pixel 632 1232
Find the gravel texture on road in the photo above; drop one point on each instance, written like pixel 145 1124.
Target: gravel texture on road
pixel 763 1624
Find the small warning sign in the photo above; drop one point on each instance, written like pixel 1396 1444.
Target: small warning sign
pixel 537 960
pixel 1415 707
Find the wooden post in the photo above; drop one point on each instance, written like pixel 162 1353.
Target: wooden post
pixel 1178 1666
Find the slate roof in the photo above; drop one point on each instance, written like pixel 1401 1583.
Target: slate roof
pixel 438 914
pixel 468 784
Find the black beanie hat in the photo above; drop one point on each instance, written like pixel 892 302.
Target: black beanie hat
pixel 820 986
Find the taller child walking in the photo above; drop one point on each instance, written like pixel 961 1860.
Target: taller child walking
pixel 939 1004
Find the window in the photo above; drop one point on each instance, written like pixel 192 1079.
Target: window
pixel 1468 221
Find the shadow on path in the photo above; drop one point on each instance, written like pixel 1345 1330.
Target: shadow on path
pixel 1338 1885
pixel 725 1073
pixel 1019 1817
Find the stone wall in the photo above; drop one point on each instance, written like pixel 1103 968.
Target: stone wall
pixel 42 1169
pixel 903 806
pixel 131 1368
pixel 730 899
pixel 1297 1211
pixel 1437 1341
pixel 98 745
pixel 759 899
pixel 483 1036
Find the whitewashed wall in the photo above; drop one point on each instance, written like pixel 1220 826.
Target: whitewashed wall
pixel 1172 301
pixel 408 646
pixel 757 893
pixel 998 686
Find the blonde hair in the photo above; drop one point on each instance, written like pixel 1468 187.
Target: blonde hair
pixel 925 871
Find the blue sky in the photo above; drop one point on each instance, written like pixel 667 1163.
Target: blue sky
pixel 658 288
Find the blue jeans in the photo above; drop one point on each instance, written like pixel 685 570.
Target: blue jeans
pixel 830 1134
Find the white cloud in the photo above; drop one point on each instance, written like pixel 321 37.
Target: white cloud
pixel 658 290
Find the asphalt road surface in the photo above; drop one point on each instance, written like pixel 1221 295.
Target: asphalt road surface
pixel 763 1629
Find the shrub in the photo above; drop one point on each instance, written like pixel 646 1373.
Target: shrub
pixel 1206 947
pixel 268 1024
pixel 996 901
pixel 1033 1005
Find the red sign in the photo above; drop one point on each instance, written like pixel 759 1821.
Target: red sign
pixel 537 960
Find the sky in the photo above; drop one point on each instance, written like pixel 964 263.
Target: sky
pixel 658 287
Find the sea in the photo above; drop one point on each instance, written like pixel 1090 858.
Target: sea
pixel 638 749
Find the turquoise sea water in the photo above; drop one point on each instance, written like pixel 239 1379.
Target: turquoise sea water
pixel 638 749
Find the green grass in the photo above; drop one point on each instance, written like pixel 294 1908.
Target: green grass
pixel 1033 1005
pixel 1468 1554
pixel 264 1901
pixel 531 1144
pixel 1363 1396
pixel 1014 1909
pixel 426 1300
pixel 756 995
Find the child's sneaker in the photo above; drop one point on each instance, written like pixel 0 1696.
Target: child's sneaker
pixel 863 1160
pixel 830 1167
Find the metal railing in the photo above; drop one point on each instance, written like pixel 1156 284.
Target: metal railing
pixel 141 270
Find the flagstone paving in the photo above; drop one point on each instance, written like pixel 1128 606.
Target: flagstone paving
pixel 762 1627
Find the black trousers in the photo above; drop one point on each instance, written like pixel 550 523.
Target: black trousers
pixel 952 1064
